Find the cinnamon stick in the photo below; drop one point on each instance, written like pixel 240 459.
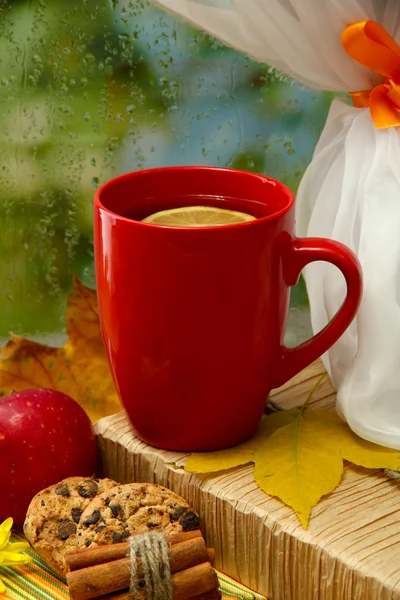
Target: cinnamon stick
pixel 88 557
pixel 214 595
pixel 211 555
pixel 200 581
pixel 126 595
pixel 194 581
pixel 105 578
pixel 188 554
pixel 187 584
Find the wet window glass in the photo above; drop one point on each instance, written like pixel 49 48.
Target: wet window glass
pixel 92 89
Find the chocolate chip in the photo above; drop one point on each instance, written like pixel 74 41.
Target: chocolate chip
pixel 94 518
pixel 100 528
pixel 177 512
pixel 115 509
pixel 117 537
pixel 43 503
pixel 190 521
pixel 65 529
pixel 150 511
pixel 88 489
pixel 107 501
pixel 88 543
pixel 152 525
pixel 62 490
pixel 76 514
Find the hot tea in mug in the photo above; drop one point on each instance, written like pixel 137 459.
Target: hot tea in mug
pixel 194 301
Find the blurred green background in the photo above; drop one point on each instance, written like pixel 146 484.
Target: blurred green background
pixel 90 89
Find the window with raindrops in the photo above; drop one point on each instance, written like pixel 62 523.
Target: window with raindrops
pixel 90 89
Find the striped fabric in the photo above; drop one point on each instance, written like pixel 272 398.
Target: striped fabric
pixel 37 582
pixel 232 589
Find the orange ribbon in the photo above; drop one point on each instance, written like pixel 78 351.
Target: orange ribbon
pixel 369 44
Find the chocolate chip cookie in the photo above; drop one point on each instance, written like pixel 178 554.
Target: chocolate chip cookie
pixel 131 509
pixel 53 516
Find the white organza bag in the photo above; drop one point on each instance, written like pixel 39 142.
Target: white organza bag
pixel 350 192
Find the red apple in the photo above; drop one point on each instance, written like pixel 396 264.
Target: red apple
pixel 45 436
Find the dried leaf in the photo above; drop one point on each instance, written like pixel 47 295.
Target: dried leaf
pixel 298 456
pixel 83 323
pixel 212 462
pixel 79 369
pixel 297 466
pixel 352 447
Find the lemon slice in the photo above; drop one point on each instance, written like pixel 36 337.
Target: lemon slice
pixel 198 216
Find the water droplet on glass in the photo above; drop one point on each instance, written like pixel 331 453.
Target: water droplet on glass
pixel 89 90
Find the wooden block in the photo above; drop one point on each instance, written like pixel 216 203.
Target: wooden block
pixel 351 550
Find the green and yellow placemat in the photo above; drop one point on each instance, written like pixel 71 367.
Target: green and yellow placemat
pixel 37 582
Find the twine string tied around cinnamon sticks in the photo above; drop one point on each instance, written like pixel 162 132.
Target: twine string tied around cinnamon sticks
pixel 151 550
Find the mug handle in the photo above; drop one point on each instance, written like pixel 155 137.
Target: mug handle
pixel 301 253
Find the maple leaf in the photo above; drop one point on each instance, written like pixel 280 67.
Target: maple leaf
pixel 78 369
pixel 298 456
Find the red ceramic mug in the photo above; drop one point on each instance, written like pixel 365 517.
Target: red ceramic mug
pixel 193 319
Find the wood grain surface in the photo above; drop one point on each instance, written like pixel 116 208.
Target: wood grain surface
pixel 351 550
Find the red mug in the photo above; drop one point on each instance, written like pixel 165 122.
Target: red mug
pixel 193 319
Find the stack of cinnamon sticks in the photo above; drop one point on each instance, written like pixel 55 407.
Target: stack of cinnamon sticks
pixel 104 571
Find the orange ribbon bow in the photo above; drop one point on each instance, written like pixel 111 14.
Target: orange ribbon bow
pixel 369 44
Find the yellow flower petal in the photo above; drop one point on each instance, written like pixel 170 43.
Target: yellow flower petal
pixel 6 525
pixel 12 563
pixel 13 558
pixel 16 547
pixel 5 532
pixel 2 587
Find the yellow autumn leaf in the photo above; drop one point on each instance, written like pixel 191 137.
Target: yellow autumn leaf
pixel 351 446
pixel 222 460
pixel 298 465
pixel 212 462
pixel 298 456
pixel 78 369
